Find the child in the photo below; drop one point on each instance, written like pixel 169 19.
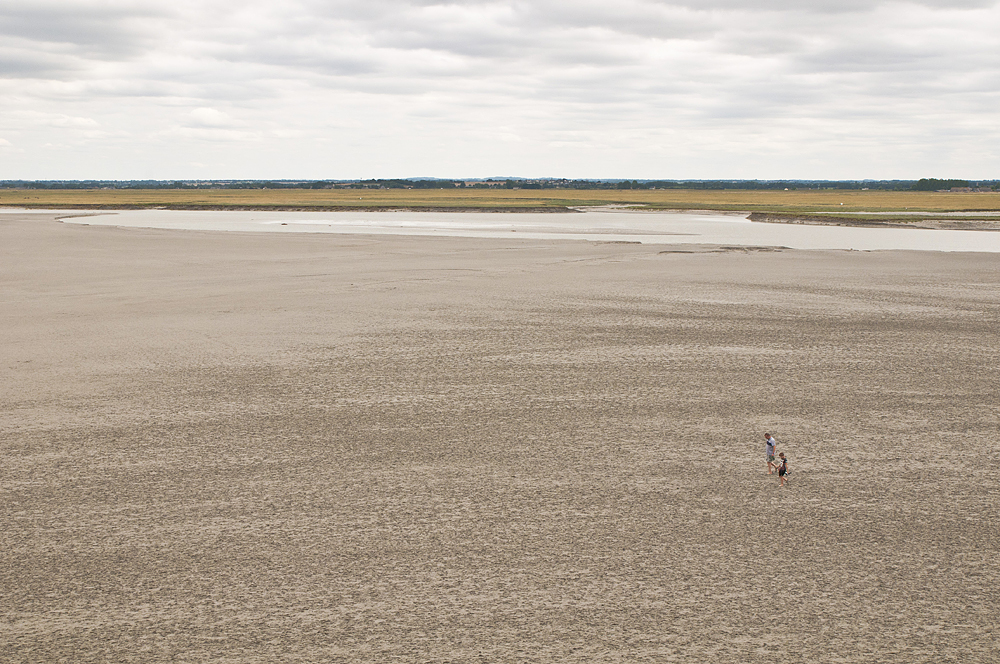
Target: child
pixel 782 470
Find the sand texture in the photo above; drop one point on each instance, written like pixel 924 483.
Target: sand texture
pixel 259 448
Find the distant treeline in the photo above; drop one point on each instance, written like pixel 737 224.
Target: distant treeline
pixel 924 184
pixel 933 184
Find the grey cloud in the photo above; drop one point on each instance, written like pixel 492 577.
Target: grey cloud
pixel 99 30
pixel 25 62
pixel 537 68
pixel 433 42
pixel 826 6
pixel 313 54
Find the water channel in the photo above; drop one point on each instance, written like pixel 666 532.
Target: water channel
pixel 606 225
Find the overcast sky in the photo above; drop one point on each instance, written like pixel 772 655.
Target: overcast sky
pixel 826 89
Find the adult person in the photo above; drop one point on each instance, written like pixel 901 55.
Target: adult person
pixel 771 444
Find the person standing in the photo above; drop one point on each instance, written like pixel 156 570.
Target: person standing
pixel 771 445
pixel 782 470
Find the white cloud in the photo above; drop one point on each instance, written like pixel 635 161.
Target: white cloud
pixel 209 117
pixel 211 134
pixel 638 88
pixel 30 118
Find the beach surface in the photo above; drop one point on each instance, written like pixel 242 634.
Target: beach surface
pixel 241 447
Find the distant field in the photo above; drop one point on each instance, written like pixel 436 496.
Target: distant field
pixel 785 202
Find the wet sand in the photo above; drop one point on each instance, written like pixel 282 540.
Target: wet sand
pixel 236 447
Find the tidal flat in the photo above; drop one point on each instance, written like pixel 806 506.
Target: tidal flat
pixel 252 447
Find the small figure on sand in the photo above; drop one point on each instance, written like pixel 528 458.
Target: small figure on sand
pixel 782 470
pixel 771 444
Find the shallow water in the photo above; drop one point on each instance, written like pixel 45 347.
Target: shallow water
pixel 593 225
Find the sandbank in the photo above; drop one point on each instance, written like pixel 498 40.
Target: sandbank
pixel 274 448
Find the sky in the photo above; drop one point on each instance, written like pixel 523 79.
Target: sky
pixel 709 89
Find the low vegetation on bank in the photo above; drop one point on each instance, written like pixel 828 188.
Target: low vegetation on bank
pixel 792 202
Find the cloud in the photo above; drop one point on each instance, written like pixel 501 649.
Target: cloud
pixel 106 30
pixel 58 120
pixel 209 117
pixel 638 76
pixel 212 125
pixel 210 134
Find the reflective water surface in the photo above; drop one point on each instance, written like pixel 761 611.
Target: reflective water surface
pixel 594 225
